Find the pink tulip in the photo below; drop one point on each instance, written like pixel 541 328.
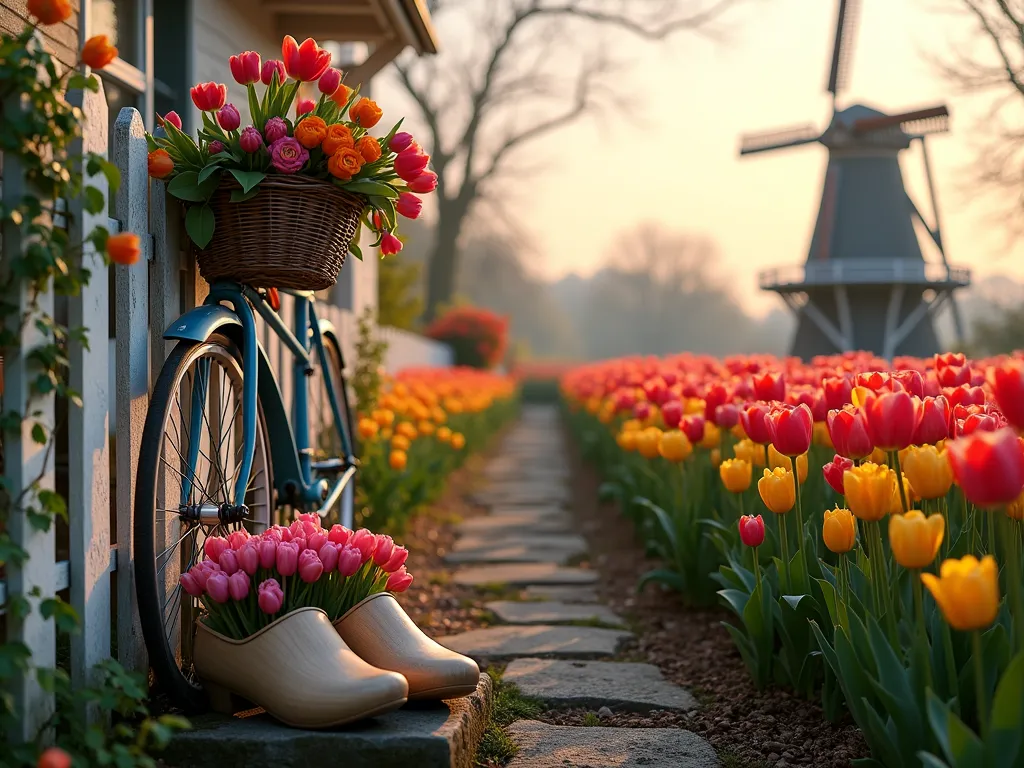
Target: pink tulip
pixel 238 539
pixel 301 543
pixel 329 81
pixel 317 540
pixel 250 141
pixel 364 541
pixel 389 245
pixel 228 561
pixel 268 552
pixel 201 572
pixel 215 147
pixel 217 586
pixel 271 597
pixel 350 560
pixel 339 534
pixel 310 519
pixel 396 561
pixel 400 142
pixel 238 585
pixel 191 585
pixel 329 557
pixel 304 107
pixel 399 581
pixel 275 129
pixel 296 529
pixel 214 546
pixel 287 558
pixel 409 165
pixel 310 566
pixel 249 557
pixel 409 205
pixel 229 118
pixel 270 66
pixel 384 549
pixel 425 183
pixel 173 118
pixel 245 67
pixel 274 532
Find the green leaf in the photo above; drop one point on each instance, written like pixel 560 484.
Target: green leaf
pixel 200 224
pixel 254 107
pixel 367 187
pixel 670 579
pixel 39 433
pixel 248 179
pixel 928 760
pixel 1006 726
pixel 208 171
pixel 94 201
pixel 355 250
pixel 185 186
pixel 238 196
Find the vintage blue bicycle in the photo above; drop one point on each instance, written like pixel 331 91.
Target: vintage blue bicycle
pixel 219 453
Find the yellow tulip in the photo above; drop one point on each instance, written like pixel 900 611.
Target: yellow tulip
pixel 712 436
pixel 928 470
pixel 716 457
pixel 776 459
pixel 400 443
pixel 673 445
pixel 627 440
pixel 821 435
pixel 778 492
pixel 1016 509
pixel 458 441
pixel 693 405
pixel 869 489
pixel 737 431
pixel 632 425
pixel 736 475
pixel 839 530
pixel 967 591
pixel 607 413
pixel 878 456
pixel 895 502
pixel 746 450
pixel 915 539
pixel 593 405
pixel 647 441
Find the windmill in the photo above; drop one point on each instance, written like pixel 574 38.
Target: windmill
pixel 865 284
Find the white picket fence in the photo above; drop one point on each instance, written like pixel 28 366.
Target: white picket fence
pixel 114 381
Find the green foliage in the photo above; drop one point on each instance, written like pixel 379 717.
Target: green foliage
pixel 509 705
pixel 39 127
pixel 398 300
pixel 1000 335
pixel 368 375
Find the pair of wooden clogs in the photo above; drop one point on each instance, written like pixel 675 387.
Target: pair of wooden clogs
pixel 309 673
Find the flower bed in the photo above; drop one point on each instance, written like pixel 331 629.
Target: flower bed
pixel 836 588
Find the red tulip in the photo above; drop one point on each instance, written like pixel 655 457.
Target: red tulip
pixel 838 391
pixel 934 423
pixel 912 381
pixel 173 118
pixel 390 245
pixel 752 417
pixel 304 106
pixel 819 408
pixel 849 433
pixel 304 62
pixel 988 466
pixel 400 142
pixel 270 66
pixel 656 390
pixel 834 470
pixel 932 388
pixel 409 164
pixel 424 184
pixel 878 381
pixel 790 428
pixel 209 97
pixel 727 416
pixel 672 413
pixel 714 396
pixel 1007 382
pixel 693 427
pixel 641 410
pixel 770 386
pixel 329 81
pixel 409 205
pixel 952 370
pixel 624 399
pixel 891 419
pixel 965 395
pixel 751 530
pixel 245 67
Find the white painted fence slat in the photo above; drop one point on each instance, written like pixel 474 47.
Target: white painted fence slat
pixel 24 461
pixel 132 366
pixel 88 453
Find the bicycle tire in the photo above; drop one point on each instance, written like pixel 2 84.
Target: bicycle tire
pixel 179 685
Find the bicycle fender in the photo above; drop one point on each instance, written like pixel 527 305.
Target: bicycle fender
pixel 327 327
pixel 197 324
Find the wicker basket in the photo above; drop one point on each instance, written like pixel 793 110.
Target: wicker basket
pixel 294 234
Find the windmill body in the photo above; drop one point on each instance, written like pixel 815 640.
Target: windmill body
pixel 865 283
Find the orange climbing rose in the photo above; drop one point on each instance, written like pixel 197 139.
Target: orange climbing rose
pixel 98 52
pixel 345 163
pixel 369 149
pixel 311 132
pixel 366 113
pixel 123 248
pixel 338 135
pixel 160 163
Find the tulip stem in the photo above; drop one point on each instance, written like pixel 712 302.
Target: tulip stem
pixel 899 480
pixel 799 514
pixel 1013 581
pixel 922 632
pixel 992 532
pixel 979 684
pixel 757 574
pixel 884 602
pixel 784 544
pixel 953 693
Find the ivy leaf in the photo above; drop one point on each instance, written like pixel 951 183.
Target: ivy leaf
pixel 39 433
pixel 63 615
pixel 200 224
pixel 95 203
pixel 54 503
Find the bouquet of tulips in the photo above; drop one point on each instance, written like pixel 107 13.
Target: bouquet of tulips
pixel 327 139
pixel 247 582
pixel 477 336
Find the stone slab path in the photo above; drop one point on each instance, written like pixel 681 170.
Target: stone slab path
pixel 560 643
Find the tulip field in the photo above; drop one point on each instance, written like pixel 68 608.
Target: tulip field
pixel 860 520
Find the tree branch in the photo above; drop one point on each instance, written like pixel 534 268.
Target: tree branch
pixel 440 158
pixel 1011 73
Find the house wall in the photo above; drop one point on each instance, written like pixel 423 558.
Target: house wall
pixel 61 39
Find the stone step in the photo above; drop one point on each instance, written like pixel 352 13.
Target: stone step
pixel 508 642
pixel 517 548
pixel 563 594
pixel 527 522
pixel 620 686
pixel 553 612
pixel 555 746
pixel 472 542
pixel 522 575
pixel 428 735
pixel 522 497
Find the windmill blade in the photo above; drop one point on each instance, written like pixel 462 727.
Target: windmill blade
pixel 919 122
pixel 842 48
pixel 787 137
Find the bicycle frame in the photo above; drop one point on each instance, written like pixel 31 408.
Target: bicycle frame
pixel 289 445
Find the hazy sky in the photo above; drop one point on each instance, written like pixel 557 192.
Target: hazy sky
pixel 698 96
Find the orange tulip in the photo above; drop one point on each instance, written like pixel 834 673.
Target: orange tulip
pixel 50 11
pixel 338 135
pixel 124 248
pixel 369 148
pixel 397 460
pixel 311 131
pixel 98 52
pixel 345 163
pixel 366 113
pixel 458 441
pixel 160 164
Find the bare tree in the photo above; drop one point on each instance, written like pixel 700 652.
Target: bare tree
pixel 514 72
pixel 994 64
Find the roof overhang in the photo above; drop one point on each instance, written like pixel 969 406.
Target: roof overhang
pixel 388 27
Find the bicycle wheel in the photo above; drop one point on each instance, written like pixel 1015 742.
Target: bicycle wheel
pixel 195 411
pixel 331 441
